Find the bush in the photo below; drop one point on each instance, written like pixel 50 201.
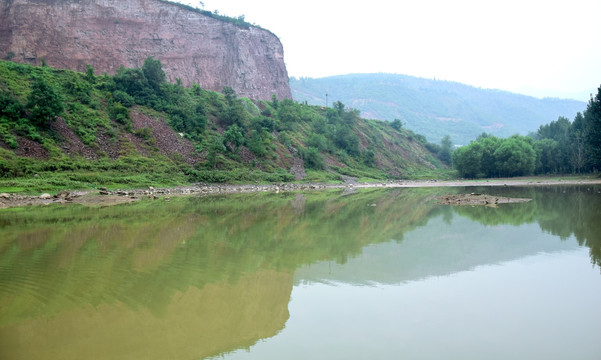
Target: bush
pixel 397 124
pixel 369 157
pixel 6 135
pixel 259 142
pixel 134 83
pixel 10 107
pixel 313 159
pixel 44 102
pixel 120 114
pixel 318 141
pixel 124 98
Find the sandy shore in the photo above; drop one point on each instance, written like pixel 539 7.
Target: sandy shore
pixel 105 197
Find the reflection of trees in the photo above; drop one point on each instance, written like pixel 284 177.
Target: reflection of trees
pixel 142 254
pixel 514 214
pixel 573 210
pixel 56 262
pixel 559 210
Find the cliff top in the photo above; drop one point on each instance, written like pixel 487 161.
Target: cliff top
pixel 194 45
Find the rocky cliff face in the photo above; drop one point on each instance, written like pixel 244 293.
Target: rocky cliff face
pixel 107 34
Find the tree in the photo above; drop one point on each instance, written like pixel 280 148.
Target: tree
pixel 592 117
pixel 547 160
pixel 274 101
pixel 557 131
pixel 347 140
pixel 445 149
pixel 397 124
pixel 490 144
pixel 313 160
pixel 153 71
pixel 133 82
pixel 289 111
pixel 44 102
pixel 234 113
pixel 467 160
pixel 90 77
pixel 215 147
pixel 232 138
pixel 369 157
pixel 577 144
pixel 339 107
pixel 515 157
pixel 230 95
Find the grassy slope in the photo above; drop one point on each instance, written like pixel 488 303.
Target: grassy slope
pixel 89 146
pixel 437 108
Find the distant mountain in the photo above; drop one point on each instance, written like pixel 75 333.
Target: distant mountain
pixel 435 108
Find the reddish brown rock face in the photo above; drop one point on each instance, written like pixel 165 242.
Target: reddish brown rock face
pixel 107 34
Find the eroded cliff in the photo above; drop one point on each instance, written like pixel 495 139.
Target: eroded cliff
pixel 107 34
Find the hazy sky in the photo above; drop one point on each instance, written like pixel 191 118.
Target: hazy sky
pixel 540 48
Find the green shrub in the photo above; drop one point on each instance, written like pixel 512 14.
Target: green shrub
pixel 124 98
pixel 120 114
pixel 313 159
pixel 44 102
pixel 10 107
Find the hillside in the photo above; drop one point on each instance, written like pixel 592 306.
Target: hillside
pixel 64 129
pixel 436 108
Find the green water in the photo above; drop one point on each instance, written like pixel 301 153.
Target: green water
pixel 377 274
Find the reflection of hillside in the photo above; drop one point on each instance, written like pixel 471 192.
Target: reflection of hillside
pixel 202 276
pixel 195 324
pixel 438 249
pixel 477 237
pixel 107 270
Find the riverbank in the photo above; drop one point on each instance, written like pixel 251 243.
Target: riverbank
pixel 104 197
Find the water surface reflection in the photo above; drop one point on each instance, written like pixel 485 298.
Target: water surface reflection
pixel 200 277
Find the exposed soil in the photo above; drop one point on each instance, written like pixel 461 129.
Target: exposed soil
pixel 298 168
pixel 71 143
pixel 168 141
pixel 27 148
pixel 108 145
pixel 162 139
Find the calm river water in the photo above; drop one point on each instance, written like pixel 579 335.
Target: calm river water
pixel 374 274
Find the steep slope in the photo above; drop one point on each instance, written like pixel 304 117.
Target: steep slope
pixel 192 45
pixel 68 129
pixel 436 108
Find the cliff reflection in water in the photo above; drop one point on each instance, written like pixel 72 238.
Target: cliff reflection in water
pixel 198 277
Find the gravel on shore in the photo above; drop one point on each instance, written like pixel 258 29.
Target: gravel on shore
pixel 105 197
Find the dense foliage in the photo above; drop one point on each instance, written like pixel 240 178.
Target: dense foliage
pixel 560 147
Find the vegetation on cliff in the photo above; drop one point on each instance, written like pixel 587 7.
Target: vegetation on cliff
pixel 238 21
pixel 60 128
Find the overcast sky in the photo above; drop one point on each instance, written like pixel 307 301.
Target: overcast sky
pixel 541 48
